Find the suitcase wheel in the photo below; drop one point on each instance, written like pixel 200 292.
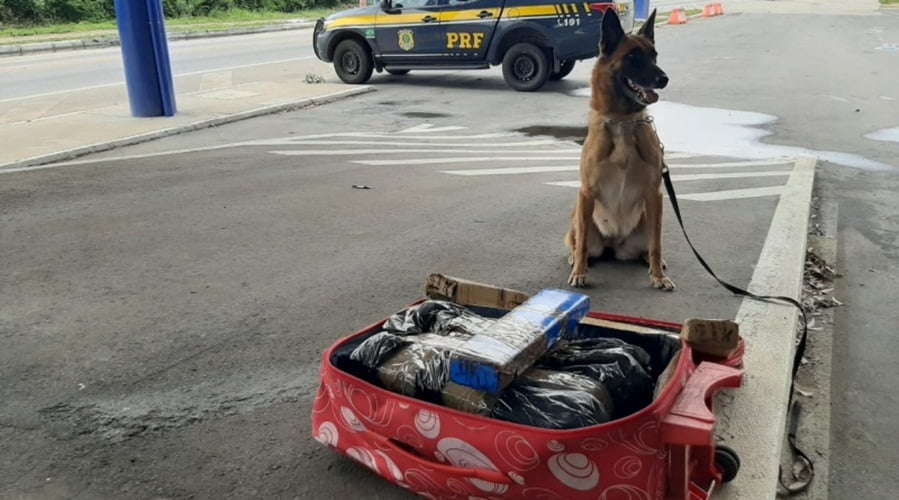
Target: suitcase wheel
pixel 728 462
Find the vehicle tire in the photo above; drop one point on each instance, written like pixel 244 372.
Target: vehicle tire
pixel 728 462
pixel 564 69
pixel 398 72
pixel 352 62
pixel 525 67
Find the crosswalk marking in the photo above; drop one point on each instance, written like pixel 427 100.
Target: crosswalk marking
pixel 473 159
pixel 733 194
pixel 569 168
pixel 518 154
pixel 542 142
pixel 512 170
pixel 344 152
pixel 437 161
pixel 750 163
pixel 732 175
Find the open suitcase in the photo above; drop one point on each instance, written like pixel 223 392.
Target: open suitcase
pixel 666 450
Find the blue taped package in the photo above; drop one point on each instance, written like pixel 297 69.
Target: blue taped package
pixel 492 358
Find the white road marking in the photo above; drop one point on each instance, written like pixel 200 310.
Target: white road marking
pixel 734 194
pixel 513 170
pixel 419 143
pixel 328 152
pixel 429 127
pixel 289 140
pixel 569 168
pixel 105 85
pixel 759 163
pixel 433 161
pixel 732 175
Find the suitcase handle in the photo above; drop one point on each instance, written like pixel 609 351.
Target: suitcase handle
pixel 690 421
pixel 482 474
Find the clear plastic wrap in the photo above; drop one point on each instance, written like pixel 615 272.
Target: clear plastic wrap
pixel 621 367
pixel 554 400
pixel 435 316
pixel 413 365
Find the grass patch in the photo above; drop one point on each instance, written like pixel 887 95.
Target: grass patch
pixel 889 2
pixel 217 21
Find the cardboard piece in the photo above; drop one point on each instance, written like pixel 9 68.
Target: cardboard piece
pixel 715 337
pixel 626 327
pixel 491 359
pixel 471 293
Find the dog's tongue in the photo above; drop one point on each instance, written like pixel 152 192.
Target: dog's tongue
pixel 650 96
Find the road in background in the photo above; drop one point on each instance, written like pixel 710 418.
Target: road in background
pixel 63 71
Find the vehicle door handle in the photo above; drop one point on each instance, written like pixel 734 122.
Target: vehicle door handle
pixel 428 19
pixel 484 14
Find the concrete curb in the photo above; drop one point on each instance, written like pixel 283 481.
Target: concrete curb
pixel 752 418
pixel 814 423
pixel 99 43
pixel 38 162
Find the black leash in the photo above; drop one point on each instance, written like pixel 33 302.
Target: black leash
pixel 794 407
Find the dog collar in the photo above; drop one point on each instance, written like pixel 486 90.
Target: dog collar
pixel 645 119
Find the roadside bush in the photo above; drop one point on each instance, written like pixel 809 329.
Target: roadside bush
pixel 21 11
pixel 30 12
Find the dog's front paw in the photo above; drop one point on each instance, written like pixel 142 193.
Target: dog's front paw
pixel 577 279
pixel 662 282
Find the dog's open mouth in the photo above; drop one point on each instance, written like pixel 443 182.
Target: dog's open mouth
pixel 644 95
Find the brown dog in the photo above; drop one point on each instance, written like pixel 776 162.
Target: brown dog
pixel 619 204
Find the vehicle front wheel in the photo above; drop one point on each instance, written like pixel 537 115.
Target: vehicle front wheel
pixel 525 67
pixel 564 69
pixel 352 62
pixel 398 72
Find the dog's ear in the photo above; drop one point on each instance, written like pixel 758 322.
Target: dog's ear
pixel 612 33
pixel 648 28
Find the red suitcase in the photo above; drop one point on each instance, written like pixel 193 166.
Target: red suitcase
pixel 666 450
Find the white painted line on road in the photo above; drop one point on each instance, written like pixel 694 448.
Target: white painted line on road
pixel 734 194
pixel 437 161
pixel 534 170
pixel 289 140
pixel 419 143
pixel 429 127
pixel 105 85
pixel 753 416
pixel 513 170
pixel 759 163
pixel 567 184
pixel 733 175
pixel 679 156
pixel 344 152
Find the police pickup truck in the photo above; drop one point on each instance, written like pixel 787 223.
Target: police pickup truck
pixel 534 40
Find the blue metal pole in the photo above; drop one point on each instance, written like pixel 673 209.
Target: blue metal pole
pixel 145 56
pixel 161 52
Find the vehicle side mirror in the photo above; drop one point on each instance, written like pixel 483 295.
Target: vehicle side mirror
pixel 387 6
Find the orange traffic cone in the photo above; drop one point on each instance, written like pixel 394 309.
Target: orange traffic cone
pixel 709 10
pixel 678 16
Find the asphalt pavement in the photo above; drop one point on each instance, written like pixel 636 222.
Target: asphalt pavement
pixel 165 305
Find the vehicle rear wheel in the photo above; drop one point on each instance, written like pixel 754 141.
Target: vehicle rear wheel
pixel 398 72
pixel 352 62
pixel 525 67
pixel 564 69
